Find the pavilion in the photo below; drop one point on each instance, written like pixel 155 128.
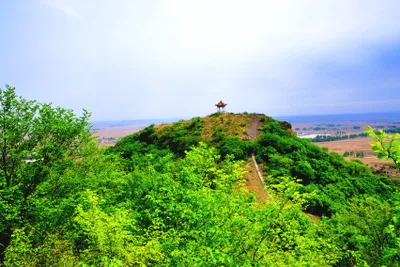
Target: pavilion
pixel 221 106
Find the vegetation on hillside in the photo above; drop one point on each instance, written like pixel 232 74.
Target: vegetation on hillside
pixel 173 195
pixel 224 131
pixel 387 143
pixel 329 138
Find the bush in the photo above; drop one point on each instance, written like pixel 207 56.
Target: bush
pixel 233 145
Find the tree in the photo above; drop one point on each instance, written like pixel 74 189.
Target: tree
pixel 387 145
pixel 16 116
pixel 361 228
pixel 360 154
pixel 35 139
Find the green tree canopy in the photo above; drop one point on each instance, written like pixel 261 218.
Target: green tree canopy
pixel 35 140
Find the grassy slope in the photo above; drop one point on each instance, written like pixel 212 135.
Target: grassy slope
pixel 232 125
pixel 229 123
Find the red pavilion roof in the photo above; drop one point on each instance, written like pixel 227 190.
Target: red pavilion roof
pixel 221 104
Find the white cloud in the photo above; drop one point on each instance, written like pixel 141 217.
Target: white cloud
pixel 236 32
pixel 255 54
pixel 63 6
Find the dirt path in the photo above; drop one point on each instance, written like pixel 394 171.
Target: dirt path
pixel 254 124
pixel 255 180
pixel 257 169
pixel 253 183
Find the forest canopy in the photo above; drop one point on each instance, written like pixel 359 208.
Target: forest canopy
pixel 174 195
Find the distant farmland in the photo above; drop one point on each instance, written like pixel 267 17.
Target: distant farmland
pixel 361 145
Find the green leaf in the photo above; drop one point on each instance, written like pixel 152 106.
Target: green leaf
pixel 382 155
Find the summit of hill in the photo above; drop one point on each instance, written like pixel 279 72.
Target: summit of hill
pixel 243 125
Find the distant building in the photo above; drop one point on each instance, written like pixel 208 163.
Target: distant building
pixel 311 136
pixel 221 106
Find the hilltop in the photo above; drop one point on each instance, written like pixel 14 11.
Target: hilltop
pixel 228 124
pixel 217 127
pixel 216 130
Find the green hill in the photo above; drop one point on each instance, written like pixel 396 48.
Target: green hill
pixel 174 195
pixel 283 155
pixel 355 204
pixel 218 130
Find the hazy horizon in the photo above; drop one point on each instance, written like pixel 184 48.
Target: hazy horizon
pixel 127 60
pixel 360 117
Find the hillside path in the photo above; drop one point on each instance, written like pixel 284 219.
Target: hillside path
pixel 252 134
pixel 254 124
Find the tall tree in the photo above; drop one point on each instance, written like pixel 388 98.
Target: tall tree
pixel 35 139
pixel 36 136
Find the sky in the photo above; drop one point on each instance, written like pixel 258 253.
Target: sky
pixel 155 59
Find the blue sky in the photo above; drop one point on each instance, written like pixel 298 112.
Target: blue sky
pixel 148 59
